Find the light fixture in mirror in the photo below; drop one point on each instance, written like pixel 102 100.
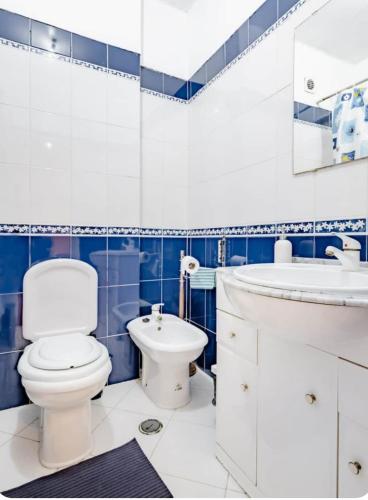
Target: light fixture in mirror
pixel 331 86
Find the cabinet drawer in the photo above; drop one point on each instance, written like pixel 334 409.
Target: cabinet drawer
pixel 353 390
pixel 353 459
pixel 239 335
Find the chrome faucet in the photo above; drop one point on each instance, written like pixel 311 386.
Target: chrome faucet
pixel 350 256
pixel 156 311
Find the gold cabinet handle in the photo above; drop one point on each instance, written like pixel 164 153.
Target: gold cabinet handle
pixel 355 467
pixel 310 399
pixel 244 387
pixel 232 335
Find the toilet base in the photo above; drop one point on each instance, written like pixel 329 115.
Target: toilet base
pixel 167 385
pixel 66 435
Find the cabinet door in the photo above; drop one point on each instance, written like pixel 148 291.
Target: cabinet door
pixel 297 420
pixel 236 410
pixel 353 459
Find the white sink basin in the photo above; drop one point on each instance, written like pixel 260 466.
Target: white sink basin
pixel 320 305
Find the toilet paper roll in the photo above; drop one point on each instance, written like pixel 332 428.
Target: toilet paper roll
pixel 189 264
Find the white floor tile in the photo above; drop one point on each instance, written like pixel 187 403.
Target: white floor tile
pixel 202 381
pixel 99 413
pixel 199 411
pixel 120 427
pixel 4 438
pixel 19 463
pixel 137 402
pixel 233 485
pixel 113 394
pixel 32 431
pixel 16 419
pixel 188 450
pixel 182 488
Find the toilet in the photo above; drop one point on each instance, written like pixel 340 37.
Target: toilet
pixel 168 344
pixel 63 367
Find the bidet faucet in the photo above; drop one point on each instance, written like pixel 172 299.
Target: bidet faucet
pixel 350 256
pixel 156 311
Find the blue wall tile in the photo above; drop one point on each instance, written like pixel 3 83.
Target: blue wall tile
pixel 124 357
pixel 12 392
pixel 151 258
pixel 170 296
pixel 14 27
pixel 46 37
pixel 197 81
pixel 152 80
pixel 50 247
pixel 285 5
pixel 303 246
pixel 171 256
pixel 176 87
pixel 14 260
pixel 306 113
pixel 86 49
pixel 150 293
pixel 101 330
pixel 260 250
pixel 210 351
pixel 236 251
pixel 215 63
pixel 197 307
pixel 322 242
pixel 238 42
pixel 11 338
pixel 123 260
pixel 123 60
pixel 93 250
pixel 212 252
pixel 198 249
pixel 262 19
pixel 211 310
pixel 123 306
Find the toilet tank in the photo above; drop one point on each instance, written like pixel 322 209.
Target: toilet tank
pixel 59 297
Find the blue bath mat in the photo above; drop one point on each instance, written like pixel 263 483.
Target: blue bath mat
pixel 124 472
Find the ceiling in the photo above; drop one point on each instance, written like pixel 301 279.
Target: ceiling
pixel 183 5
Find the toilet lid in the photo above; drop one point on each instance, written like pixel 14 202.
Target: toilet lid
pixel 63 352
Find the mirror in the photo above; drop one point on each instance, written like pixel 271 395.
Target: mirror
pixel 331 86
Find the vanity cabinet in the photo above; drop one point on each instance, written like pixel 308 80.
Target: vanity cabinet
pixel 291 420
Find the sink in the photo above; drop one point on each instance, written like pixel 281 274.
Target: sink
pixel 320 305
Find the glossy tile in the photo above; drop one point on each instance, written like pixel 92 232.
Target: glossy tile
pixel 170 296
pixel 236 251
pixel 102 330
pixel 198 250
pixel 150 293
pixel 86 49
pixel 264 17
pixel 197 81
pixel 175 87
pixel 322 242
pixel 152 80
pixel 150 258
pixel 215 63
pixel 14 27
pixel 197 307
pixel 14 262
pixel 46 37
pixel 285 5
pixel 237 43
pixel 123 60
pixel 303 246
pixel 171 248
pixel 12 392
pixel 260 250
pixel 93 250
pixel 212 252
pixel 124 358
pixel 123 260
pixel 211 310
pixel 11 338
pixel 123 306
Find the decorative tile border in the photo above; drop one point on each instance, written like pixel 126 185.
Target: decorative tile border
pixel 264 229
pixel 148 231
pixel 89 230
pixel 123 231
pixel 341 226
pixel 53 230
pixel 163 96
pixel 175 232
pixel 295 228
pixel 14 229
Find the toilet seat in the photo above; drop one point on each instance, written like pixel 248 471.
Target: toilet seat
pixel 63 352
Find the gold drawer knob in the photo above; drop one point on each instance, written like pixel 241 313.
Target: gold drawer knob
pixel 310 399
pixel 244 387
pixel 232 335
pixel 355 467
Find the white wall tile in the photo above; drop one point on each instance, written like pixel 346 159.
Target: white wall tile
pixel 123 102
pixel 89 198
pixel 176 164
pixel 50 84
pixel 50 196
pixel 14 81
pixel 14 194
pixel 151 203
pixel 89 146
pixel 123 206
pixel 50 140
pixel 123 151
pixel 14 126
pixel 89 94
pixel 174 207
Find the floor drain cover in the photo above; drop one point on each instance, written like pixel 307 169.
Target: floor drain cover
pixel 150 426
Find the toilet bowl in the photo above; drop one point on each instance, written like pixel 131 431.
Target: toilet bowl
pixel 63 367
pixel 167 346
